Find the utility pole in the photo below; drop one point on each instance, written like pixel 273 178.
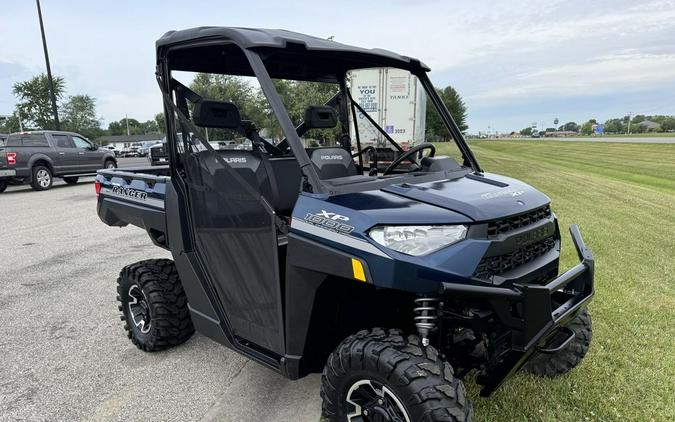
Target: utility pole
pixel 57 124
pixel 630 117
pixel 126 119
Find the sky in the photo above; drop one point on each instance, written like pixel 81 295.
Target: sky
pixel 513 62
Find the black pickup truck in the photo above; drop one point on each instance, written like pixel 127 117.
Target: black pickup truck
pixel 37 157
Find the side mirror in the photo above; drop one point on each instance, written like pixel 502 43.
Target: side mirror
pixel 320 117
pixel 93 147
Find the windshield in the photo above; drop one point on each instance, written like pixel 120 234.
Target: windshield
pixel 353 127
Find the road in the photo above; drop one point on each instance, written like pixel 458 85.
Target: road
pixel 64 354
pixel 608 139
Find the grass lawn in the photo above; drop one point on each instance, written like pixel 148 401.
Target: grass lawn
pixel 623 198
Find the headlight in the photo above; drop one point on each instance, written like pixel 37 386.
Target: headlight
pixel 417 240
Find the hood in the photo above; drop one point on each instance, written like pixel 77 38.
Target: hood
pixel 479 197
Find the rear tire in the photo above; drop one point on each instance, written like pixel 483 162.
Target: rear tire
pixel 110 164
pixel 153 305
pixel 551 366
pixel 382 374
pixel 3 186
pixel 71 180
pixel 42 178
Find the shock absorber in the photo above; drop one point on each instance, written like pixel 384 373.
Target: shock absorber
pixel 426 315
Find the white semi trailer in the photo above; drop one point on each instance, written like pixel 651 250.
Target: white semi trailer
pixel 393 98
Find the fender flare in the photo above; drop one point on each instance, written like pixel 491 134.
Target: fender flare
pixel 108 156
pixel 40 157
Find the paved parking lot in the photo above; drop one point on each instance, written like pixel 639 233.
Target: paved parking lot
pixel 63 352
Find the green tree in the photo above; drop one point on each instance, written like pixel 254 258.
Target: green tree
pixel 526 132
pixel 160 120
pixel 668 124
pixel 11 124
pixel 34 101
pixel 454 103
pixel 570 126
pixel 587 128
pixel 79 115
pixel 120 127
pixel 615 126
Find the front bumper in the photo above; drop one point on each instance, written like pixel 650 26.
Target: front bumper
pixel 534 313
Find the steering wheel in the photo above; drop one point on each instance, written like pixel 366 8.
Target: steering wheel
pixel 408 155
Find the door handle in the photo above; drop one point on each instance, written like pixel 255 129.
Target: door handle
pixel 62 153
pixel 81 153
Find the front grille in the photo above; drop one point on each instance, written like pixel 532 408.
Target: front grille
pixel 495 265
pixel 508 224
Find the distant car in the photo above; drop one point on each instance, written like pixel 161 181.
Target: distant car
pixel 37 157
pixel 144 149
pixel 158 154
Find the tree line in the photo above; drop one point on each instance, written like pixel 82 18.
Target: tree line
pixel 77 113
pixel 621 125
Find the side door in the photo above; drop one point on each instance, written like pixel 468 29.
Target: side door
pixel 90 158
pixel 66 158
pixel 235 239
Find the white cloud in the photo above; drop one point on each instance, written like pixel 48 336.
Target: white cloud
pixel 623 72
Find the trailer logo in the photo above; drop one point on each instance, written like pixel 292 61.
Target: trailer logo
pixel 330 221
pixel 128 192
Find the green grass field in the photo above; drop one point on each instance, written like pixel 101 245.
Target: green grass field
pixel 623 198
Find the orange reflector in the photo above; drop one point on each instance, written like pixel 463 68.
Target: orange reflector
pixel 357 268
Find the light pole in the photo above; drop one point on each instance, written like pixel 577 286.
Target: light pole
pixel 630 117
pixel 57 124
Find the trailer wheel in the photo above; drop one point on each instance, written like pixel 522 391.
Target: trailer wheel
pixel 153 305
pixel 565 360
pixel 71 180
pixel 42 178
pixel 381 375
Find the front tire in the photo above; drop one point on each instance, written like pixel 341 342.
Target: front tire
pixel 153 305
pixel 564 361
pixel 42 178
pixel 110 164
pixel 381 375
pixel 71 180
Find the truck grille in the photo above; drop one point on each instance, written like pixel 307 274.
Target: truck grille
pixel 508 224
pixel 495 265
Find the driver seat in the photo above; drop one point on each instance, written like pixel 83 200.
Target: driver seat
pixel 332 162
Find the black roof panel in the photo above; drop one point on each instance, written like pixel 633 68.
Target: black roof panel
pixel 253 38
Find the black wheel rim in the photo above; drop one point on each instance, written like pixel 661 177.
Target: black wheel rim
pixel 371 401
pixel 139 310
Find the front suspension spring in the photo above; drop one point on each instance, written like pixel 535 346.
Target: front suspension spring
pixel 426 315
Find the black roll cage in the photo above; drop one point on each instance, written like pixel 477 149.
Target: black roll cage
pixel 257 66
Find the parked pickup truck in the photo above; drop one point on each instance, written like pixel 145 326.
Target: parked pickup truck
pixel 37 157
pixel 157 154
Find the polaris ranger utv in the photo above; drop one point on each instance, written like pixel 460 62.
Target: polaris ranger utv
pixel 393 283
